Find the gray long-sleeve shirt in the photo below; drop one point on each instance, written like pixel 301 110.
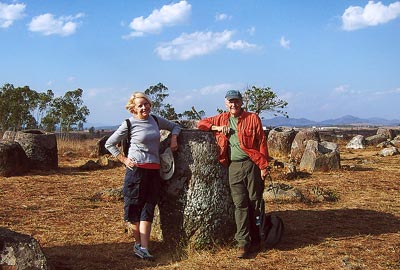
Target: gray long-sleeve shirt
pixel 145 138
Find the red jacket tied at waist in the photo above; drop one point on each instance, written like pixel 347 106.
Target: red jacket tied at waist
pixel 250 134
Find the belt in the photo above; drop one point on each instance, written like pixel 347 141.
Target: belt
pixel 241 160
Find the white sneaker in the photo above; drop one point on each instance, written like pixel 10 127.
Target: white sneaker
pixel 142 252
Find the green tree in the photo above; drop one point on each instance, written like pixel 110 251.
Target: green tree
pixel 257 100
pixel 169 112
pixel 49 123
pixel 17 106
pixel 193 114
pixel 157 94
pixel 67 111
pixel 44 101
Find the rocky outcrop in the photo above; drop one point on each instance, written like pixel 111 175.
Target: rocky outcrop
pixel 357 142
pixel 396 141
pixel 20 252
pixel 390 151
pixel 101 149
pixel 376 139
pixel 320 156
pixel 280 142
pixel 388 132
pixel 13 160
pixel 300 141
pixel 39 147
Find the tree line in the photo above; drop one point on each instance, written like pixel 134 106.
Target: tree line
pixel 255 99
pixel 23 108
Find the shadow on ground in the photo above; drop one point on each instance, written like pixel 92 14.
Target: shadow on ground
pixel 302 228
pixel 116 256
pixel 307 227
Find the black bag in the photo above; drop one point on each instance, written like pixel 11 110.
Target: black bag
pixel 126 143
pixel 271 227
pixel 271 230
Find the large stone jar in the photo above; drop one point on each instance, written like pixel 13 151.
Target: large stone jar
pixel 40 147
pixel 196 209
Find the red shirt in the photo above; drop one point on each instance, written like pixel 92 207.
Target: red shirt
pixel 250 134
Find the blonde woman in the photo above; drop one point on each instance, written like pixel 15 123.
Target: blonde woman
pixel 142 180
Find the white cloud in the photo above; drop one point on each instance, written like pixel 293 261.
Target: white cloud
pixel 251 30
pixel 168 15
pixel 47 24
pixel 356 17
pixel 216 89
pixel 10 13
pixel 187 46
pixel 284 43
pixel 345 90
pixel 388 92
pixel 240 45
pixel 222 17
pixel 341 89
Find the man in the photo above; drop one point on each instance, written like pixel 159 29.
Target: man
pixel 243 147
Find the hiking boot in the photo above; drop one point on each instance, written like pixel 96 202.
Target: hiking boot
pixel 242 252
pixel 142 252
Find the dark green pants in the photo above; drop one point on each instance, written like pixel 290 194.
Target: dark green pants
pixel 246 189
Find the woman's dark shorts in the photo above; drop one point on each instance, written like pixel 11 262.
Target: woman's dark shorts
pixel 141 194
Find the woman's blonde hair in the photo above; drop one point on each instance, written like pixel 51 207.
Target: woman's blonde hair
pixel 130 106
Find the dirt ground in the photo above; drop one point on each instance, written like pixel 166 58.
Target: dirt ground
pixel 359 231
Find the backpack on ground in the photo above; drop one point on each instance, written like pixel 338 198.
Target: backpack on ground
pixel 271 227
pixel 126 143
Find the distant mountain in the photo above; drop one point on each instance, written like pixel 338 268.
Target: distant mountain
pixel 283 121
pixel 105 127
pixel 347 120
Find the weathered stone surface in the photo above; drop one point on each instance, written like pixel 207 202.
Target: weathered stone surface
pixel 101 149
pixel 13 160
pixel 20 252
pixel 282 193
pixel 384 144
pixel 357 142
pixel 322 156
pixel 280 142
pixel 196 208
pixel 390 151
pixel 388 132
pixel 40 147
pixel 9 135
pixel 396 141
pixel 107 163
pixel 376 139
pixel 90 165
pixel 300 141
pixel 188 124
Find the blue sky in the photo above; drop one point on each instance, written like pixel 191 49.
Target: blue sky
pixel 327 59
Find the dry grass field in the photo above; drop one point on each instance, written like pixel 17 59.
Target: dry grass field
pixel 359 231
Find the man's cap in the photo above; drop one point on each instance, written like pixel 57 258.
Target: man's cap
pixel 167 164
pixel 233 94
